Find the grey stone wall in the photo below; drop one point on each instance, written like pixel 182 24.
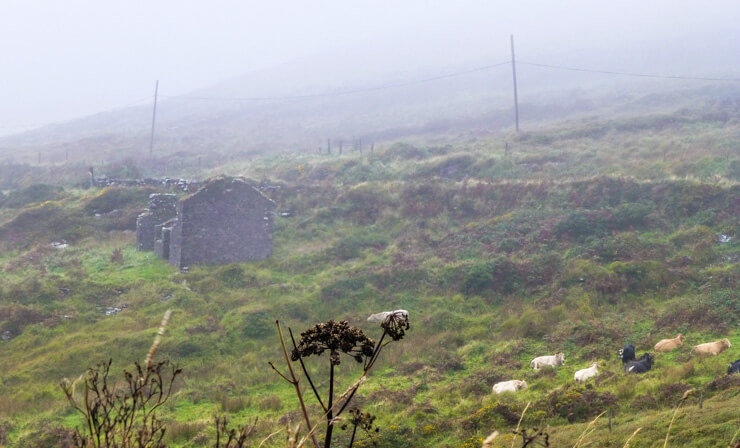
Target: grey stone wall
pixel 226 221
pixel 162 239
pixel 160 208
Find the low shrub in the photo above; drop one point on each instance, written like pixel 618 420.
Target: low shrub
pixel 184 430
pixel 47 436
pixel 581 224
pixel 364 203
pixel 270 403
pixel 496 415
pixel 498 274
pixel 670 394
pixel 698 314
pixel 232 276
pixel 724 383
pixel 33 194
pixel 258 324
pixel 236 404
pixel 116 198
pixel 630 215
pixel 644 402
pixel 350 247
pixel 576 404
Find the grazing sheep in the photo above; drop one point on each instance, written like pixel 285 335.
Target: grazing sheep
pixel 585 374
pixel 627 353
pixel 550 360
pixel 713 348
pixel 509 386
pixel 666 345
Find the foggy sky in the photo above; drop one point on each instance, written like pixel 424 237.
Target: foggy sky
pixel 65 59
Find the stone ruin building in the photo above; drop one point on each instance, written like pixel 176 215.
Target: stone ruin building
pixel 226 221
pixel 160 209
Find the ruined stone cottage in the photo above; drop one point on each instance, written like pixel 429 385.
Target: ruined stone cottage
pixel 160 208
pixel 225 221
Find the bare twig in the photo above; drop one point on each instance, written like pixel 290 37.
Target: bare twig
pixel 280 373
pixel 733 439
pixel 627 443
pixel 589 429
pixel 488 443
pixel 308 377
pixel 665 444
pixel 157 339
pixel 295 384
pixel 521 417
pixel 269 437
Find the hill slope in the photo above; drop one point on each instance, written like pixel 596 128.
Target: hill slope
pixel 577 238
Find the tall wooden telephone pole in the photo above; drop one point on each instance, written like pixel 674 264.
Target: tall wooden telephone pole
pixel 154 117
pixel 516 99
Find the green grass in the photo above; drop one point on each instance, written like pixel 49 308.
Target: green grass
pixel 584 237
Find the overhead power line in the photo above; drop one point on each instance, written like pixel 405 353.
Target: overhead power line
pixel 38 125
pixel 440 77
pixel 639 75
pixel 399 84
pixel 341 93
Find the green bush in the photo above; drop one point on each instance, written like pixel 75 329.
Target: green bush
pixel 630 215
pixel 576 404
pixel 364 204
pixel 33 194
pixel 231 276
pixel 344 288
pixel 478 279
pixel 258 324
pixel 499 275
pixel 496 415
pixel 578 225
pixel 116 198
pixel 351 246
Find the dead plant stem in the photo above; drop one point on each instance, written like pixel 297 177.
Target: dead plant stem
pixel 295 384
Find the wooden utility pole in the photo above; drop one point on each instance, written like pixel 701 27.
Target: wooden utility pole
pixel 154 117
pixel 516 99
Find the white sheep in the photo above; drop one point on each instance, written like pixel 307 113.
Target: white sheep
pixel 585 374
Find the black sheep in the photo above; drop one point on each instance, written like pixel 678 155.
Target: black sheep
pixel 734 367
pixel 641 365
pixel 627 353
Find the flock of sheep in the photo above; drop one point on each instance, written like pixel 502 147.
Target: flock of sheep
pixel 627 354
pixel 630 362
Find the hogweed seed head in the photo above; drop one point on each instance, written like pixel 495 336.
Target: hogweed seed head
pixel 335 337
pixel 396 324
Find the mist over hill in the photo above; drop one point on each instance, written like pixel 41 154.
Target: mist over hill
pixel 277 111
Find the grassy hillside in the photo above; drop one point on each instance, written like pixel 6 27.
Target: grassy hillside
pixel 576 238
